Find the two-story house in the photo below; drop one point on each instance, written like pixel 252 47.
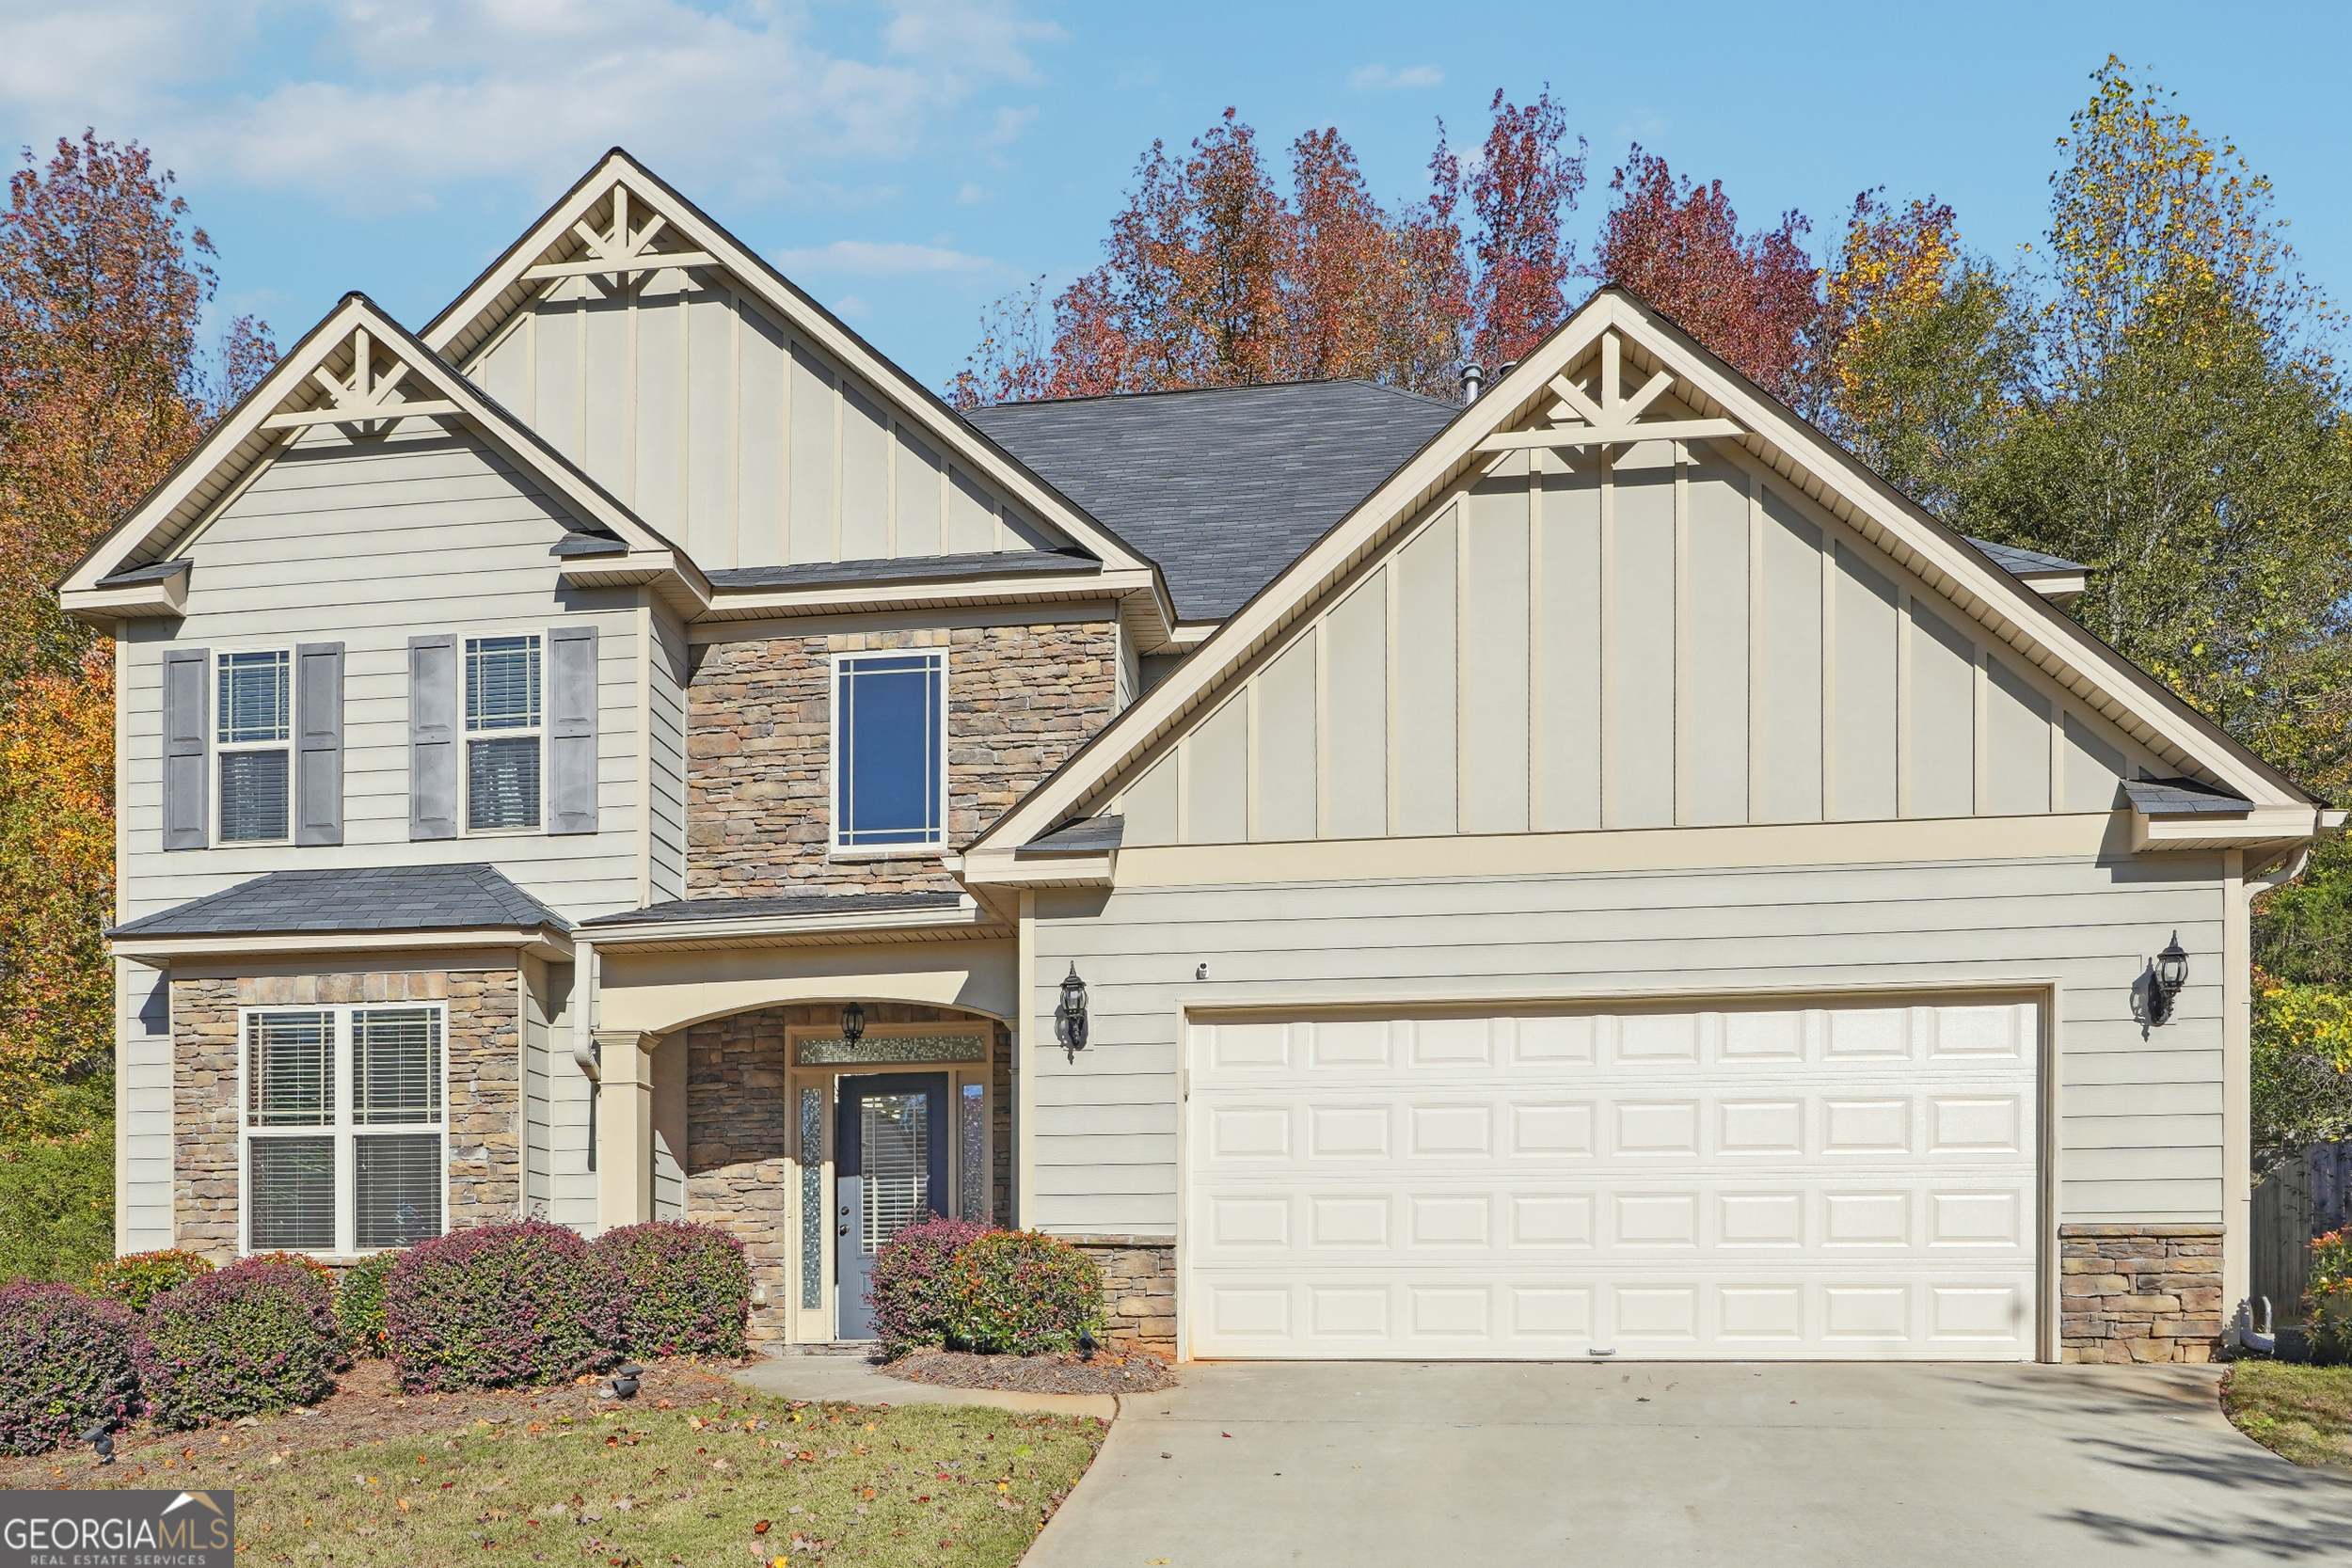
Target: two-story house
pixel 1588 870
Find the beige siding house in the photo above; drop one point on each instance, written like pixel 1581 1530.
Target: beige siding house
pixel 1592 872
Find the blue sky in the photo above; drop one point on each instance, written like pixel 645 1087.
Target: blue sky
pixel 908 163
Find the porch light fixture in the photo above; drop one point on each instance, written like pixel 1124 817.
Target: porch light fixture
pixel 2172 975
pixel 1070 1015
pixel 853 1023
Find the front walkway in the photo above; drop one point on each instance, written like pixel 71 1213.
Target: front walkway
pixel 1661 1462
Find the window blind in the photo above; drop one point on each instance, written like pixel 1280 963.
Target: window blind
pixel 254 697
pixel 290 1069
pixel 397 1189
pixel 501 683
pixel 293 1194
pixel 895 1131
pixel 253 796
pixel 503 782
pixel 395 1065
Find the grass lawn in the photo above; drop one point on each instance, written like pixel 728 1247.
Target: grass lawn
pixel 742 1480
pixel 2301 1413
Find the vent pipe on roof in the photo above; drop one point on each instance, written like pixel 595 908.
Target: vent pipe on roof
pixel 1472 377
pixel 1508 366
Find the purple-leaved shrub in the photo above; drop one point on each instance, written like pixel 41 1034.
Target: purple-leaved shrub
pixel 685 1287
pixel 66 1361
pixel 256 1336
pixel 499 1306
pixel 909 1291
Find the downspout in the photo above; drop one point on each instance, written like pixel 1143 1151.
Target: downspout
pixel 584 1032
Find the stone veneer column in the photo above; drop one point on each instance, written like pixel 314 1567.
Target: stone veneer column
pixel 2139 1292
pixel 204 1114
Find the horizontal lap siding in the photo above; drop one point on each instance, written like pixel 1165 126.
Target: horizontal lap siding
pixel 2139 1122
pixel 369 544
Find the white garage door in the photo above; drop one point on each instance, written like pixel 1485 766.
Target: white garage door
pixel 1810 1183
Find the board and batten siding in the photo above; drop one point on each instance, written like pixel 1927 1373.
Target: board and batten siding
pixel 367 544
pixel 732 433
pixel 2139 1122
pixel 1645 644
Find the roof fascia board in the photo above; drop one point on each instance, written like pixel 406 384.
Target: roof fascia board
pixel 242 441
pixel 103 606
pixel 463 319
pixel 160 952
pixel 745 603
pixel 1941 557
pixel 1956 562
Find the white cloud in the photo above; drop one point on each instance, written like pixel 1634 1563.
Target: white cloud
pixel 1379 78
pixel 969 193
pixel 851 307
pixel 372 101
pixel 880 259
pixel 1009 124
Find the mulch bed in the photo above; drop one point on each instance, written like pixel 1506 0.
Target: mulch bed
pixel 1060 1373
pixel 366 1405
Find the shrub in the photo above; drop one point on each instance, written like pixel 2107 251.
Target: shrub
pixel 136 1278
pixel 685 1289
pixel 317 1270
pixel 1016 1292
pixel 909 1290
pixel 500 1305
pixel 57 1205
pixel 360 1302
pixel 2327 1316
pixel 256 1336
pixel 66 1360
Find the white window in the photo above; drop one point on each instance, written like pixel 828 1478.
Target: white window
pixel 503 714
pixel 253 722
pixel 345 1128
pixel 890 751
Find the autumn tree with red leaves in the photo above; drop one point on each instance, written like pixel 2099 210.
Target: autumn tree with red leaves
pixel 104 283
pixel 1522 188
pixel 1751 298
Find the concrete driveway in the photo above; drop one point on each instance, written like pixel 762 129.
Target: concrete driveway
pixel 1656 1462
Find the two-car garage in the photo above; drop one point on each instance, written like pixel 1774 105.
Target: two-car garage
pixel 1852 1181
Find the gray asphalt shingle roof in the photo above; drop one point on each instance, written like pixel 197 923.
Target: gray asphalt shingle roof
pixel 684 910
pixel 919 568
pixel 2183 798
pixel 1225 487
pixel 154 571
pixel 368 898
pixel 1087 836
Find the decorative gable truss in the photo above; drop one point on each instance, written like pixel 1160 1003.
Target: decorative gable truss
pixel 358 376
pixel 1626 590
pixel 725 407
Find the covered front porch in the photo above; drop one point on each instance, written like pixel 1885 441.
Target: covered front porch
pixel 811 1096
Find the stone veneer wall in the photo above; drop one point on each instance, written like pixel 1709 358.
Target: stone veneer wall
pixel 739 1170
pixel 483 1089
pixel 2139 1292
pixel 1020 700
pixel 1139 1289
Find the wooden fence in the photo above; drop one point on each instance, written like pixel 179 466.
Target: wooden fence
pixel 2304 1198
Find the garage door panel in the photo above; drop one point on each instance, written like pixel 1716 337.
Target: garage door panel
pixel 1743 1182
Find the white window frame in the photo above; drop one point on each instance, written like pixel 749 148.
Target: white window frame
pixel 222 749
pixel 937 843
pixel 467 734
pixel 345 1130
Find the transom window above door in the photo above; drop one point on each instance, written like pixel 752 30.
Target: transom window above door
pixel 503 716
pixel 890 751
pixel 253 704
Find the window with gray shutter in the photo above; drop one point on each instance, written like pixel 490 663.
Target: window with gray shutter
pixel 433 736
pixel 253 720
pixel 186 759
pixel 572 730
pixel 319 764
pixel 503 711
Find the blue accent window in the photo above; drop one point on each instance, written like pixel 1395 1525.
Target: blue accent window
pixel 890 750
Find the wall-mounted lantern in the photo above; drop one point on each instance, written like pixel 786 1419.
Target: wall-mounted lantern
pixel 1070 1015
pixel 2171 974
pixel 852 1022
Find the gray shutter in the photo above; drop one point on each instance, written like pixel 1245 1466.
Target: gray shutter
pixel 185 761
pixel 572 730
pixel 319 728
pixel 433 736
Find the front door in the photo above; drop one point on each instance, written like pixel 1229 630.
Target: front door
pixel 891 1159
